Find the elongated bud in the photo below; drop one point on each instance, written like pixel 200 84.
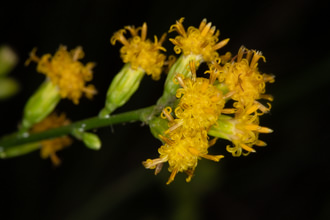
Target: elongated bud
pixel 91 140
pixel 8 87
pixel 122 87
pixel 40 104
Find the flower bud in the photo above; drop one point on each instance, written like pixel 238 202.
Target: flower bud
pixel 91 140
pixel 40 104
pixel 8 60
pixel 122 87
pixel 8 87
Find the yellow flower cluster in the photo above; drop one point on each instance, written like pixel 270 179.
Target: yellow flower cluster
pixel 141 52
pixel 186 140
pixel 246 85
pixel 51 146
pixel 202 41
pixel 65 71
pixel 203 110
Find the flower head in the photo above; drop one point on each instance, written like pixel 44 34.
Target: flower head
pixel 200 103
pixel 244 80
pixel 244 131
pixel 186 140
pixel 141 52
pixel 202 41
pixel 51 146
pixel 65 71
pixel 182 155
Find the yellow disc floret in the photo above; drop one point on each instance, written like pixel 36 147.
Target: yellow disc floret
pixel 141 52
pixel 202 41
pixel 65 71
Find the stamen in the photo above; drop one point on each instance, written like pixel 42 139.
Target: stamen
pixel 257 55
pixel 151 164
pixel 206 29
pixel 221 44
pixel 215 158
pixel 190 174
pixel 240 54
pixel 77 54
pixel 252 109
pixel 33 57
pixel 55 160
pixel 180 80
pixel 260 143
pixel 202 24
pixel 144 32
pixel 212 142
pixel 228 110
pixel 166 114
pixel 247 148
pixel 175 126
pixel 268 97
pixel 265 130
pixel 269 78
pixel 158 168
pixel 193 70
pixel 194 151
pixel 263 108
pixel 173 174
pixel 166 140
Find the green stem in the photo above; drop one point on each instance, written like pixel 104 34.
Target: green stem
pixel 20 138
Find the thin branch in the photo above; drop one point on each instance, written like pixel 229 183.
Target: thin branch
pixel 20 138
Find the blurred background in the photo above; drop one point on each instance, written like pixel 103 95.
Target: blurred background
pixel 288 179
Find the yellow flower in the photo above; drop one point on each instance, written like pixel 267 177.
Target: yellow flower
pixel 186 139
pixel 245 131
pixel 65 71
pixel 51 146
pixel 244 80
pixel 182 154
pixel 141 52
pixel 202 41
pixel 200 103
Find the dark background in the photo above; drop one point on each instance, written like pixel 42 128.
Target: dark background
pixel 288 179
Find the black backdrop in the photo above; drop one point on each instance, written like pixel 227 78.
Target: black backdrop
pixel 289 179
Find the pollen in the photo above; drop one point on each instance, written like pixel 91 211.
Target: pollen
pixel 202 41
pixel 66 71
pixel 51 146
pixel 141 52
